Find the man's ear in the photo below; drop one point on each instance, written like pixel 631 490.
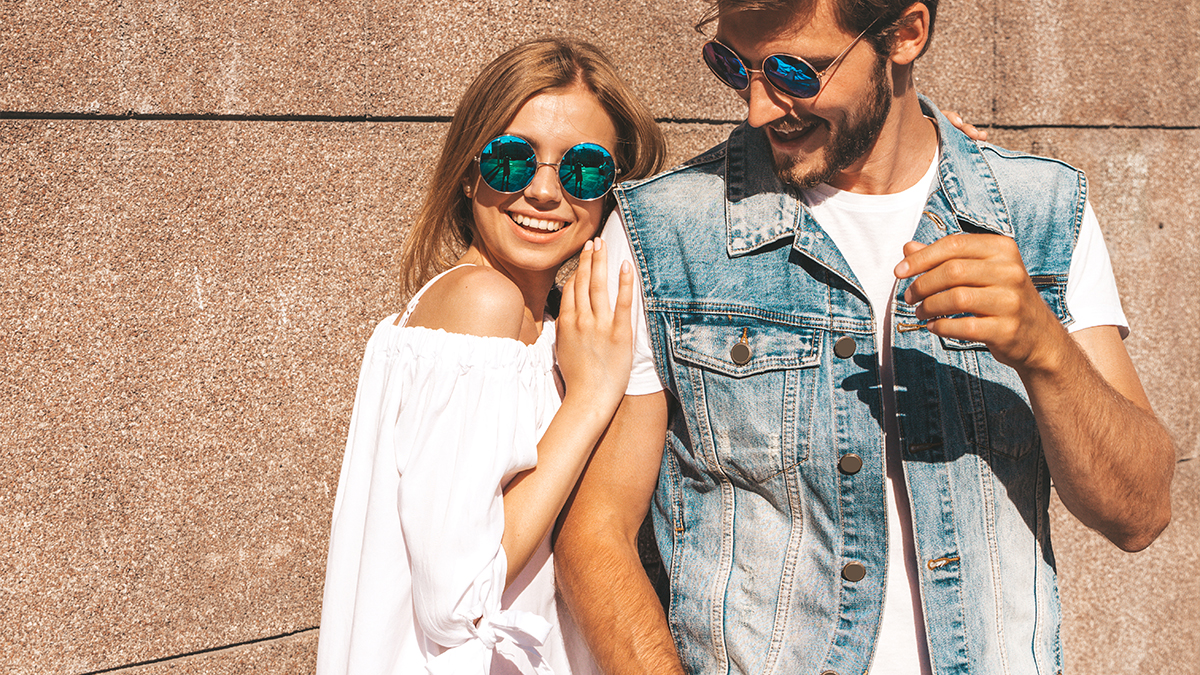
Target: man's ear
pixel 911 34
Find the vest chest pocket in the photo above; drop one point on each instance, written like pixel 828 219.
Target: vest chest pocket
pixel 742 382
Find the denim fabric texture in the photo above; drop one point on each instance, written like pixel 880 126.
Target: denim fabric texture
pixel 753 517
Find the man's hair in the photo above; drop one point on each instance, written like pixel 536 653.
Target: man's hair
pixel 445 228
pixel 854 16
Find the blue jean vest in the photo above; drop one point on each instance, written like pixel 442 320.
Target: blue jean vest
pixel 775 549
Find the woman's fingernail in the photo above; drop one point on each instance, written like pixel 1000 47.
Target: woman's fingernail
pixel 626 267
pixel 587 245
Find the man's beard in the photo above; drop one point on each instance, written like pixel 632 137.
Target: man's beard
pixel 845 146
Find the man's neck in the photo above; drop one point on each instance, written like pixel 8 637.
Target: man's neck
pixel 900 155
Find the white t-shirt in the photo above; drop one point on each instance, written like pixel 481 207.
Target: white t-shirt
pixel 870 231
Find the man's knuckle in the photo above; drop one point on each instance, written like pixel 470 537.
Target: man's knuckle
pixel 956 270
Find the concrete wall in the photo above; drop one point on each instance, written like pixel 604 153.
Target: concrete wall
pixel 201 204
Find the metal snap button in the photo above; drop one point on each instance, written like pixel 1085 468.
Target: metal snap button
pixel 850 463
pixel 854 571
pixel 741 352
pixel 845 347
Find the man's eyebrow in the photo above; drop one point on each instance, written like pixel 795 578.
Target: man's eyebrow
pixel 817 62
pixel 820 63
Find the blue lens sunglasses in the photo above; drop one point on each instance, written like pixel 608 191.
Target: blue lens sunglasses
pixel 790 75
pixel 508 164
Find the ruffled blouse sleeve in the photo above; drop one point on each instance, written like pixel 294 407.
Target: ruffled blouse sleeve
pixel 464 426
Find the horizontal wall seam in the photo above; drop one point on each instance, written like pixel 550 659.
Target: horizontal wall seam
pixel 210 650
pixel 215 117
pixel 442 119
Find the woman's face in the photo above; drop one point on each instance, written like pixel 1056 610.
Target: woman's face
pixel 538 228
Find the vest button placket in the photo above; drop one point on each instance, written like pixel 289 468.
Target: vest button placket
pixel 850 464
pixel 854 571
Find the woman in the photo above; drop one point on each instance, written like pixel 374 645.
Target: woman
pixel 439 556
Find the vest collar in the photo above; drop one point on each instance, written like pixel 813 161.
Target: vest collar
pixel 760 209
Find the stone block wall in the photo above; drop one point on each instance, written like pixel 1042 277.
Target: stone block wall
pixel 201 206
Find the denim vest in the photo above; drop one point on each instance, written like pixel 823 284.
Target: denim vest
pixel 764 532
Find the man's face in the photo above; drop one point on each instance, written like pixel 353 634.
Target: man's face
pixel 812 139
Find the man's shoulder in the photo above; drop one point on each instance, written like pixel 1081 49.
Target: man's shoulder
pixel 1015 172
pixel 1029 179
pixel 1025 161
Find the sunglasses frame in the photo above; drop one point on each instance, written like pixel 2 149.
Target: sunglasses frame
pixel 557 165
pixel 819 75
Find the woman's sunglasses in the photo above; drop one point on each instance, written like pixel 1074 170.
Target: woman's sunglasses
pixel 791 75
pixel 508 163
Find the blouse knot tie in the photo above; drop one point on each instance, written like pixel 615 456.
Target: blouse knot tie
pixel 525 630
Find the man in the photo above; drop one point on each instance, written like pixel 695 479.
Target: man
pixel 873 360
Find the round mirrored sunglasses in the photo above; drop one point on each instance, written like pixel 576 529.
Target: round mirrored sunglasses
pixel 508 164
pixel 790 75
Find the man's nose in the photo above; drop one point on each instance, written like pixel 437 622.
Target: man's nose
pixel 765 103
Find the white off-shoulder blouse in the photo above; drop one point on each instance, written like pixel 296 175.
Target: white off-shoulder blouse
pixel 441 422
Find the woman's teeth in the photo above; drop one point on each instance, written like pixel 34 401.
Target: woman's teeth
pixel 537 223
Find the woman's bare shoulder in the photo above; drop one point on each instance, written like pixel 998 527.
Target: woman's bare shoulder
pixel 472 300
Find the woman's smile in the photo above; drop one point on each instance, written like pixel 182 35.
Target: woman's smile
pixel 530 222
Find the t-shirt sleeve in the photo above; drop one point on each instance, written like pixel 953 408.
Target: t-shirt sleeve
pixel 643 378
pixel 1092 296
pixel 465 424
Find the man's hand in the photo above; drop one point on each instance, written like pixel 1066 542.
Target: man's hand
pixel 1110 458
pixel 982 275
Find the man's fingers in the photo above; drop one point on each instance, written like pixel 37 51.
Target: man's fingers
pixel 951 274
pixel 919 259
pixel 968 328
pixel 977 301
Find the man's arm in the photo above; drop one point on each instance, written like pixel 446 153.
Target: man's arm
pixel 1110 458
pixel 597 566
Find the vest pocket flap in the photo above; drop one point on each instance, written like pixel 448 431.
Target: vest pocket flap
pixel 1052 288
pixel 741 346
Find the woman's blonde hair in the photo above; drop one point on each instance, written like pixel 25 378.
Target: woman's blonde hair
pixel 444 227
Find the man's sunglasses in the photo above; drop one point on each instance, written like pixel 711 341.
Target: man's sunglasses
pixel 791 75
pixel 508 163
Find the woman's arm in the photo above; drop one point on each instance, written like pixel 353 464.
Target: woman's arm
pixel 594 347
pixel 594 354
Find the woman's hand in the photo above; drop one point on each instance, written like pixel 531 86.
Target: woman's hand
pixel 968 129
pixel 595 340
